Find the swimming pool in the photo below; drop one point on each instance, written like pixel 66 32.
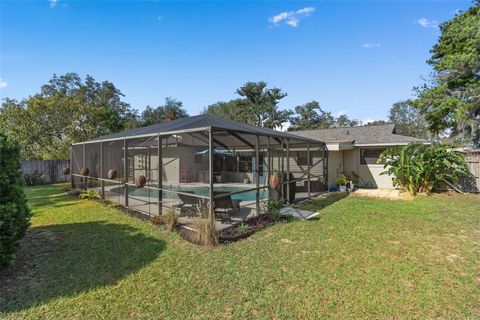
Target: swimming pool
pixel 198 190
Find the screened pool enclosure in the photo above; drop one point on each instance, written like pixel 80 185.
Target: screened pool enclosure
pixel 200 160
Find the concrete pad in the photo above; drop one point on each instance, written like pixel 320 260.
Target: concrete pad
pixel 297 213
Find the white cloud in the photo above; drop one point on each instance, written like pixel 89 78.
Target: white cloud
pixel 3 84
pixel 306 10
pixel 424 22
pixel 293 22
pixel 371 45
pixel 53 3
pixel 279 17
pixel 291 18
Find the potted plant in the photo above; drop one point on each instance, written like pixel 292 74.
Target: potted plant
pixel 342 183
pixel 112 174
pixel 275 180
pixel 140 181
pixel 354 180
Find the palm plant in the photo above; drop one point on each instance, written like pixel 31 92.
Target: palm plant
pixel 422 168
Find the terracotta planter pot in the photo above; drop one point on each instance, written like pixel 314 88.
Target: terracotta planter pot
pixel 274 182
pixel 140 181
pixel 84 171
pixel 66 171
pixel 112 174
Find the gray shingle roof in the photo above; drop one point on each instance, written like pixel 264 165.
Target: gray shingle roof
pixel 360 135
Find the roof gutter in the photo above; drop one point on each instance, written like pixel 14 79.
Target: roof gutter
pixel 388 144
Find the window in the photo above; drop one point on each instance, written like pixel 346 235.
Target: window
pixel 370 156
pixel 302 159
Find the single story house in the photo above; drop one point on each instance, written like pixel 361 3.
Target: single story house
pixel 356 149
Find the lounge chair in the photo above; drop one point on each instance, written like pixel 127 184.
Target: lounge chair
pixel 188 204
pixel 224 206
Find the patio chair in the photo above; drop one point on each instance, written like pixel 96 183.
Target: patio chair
pixel 188 204
pixel 225 205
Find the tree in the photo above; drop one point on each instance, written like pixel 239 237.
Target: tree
pixel 376 123
pixel 65 111
pixel 451 101
pixel 228 110
pixel 260 105
pixel 14 212
pixel 344 121
pixel 171 110
pixel 311 116
pixel 408 120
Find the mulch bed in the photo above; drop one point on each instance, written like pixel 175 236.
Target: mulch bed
pixel 235 233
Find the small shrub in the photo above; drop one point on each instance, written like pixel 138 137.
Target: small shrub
pixel 90 194
pixel 272 208
pixel 170 219
pixel 37 178
pixel 342 181
pixel 243 228
pixel 205 226
pixel 157 220
pixel 14 212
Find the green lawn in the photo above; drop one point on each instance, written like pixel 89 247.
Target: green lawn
pixel 360 258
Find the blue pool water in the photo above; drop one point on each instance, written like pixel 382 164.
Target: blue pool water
pixel 200 190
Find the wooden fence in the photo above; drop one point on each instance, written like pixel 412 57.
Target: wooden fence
pixel 51 170
pixel 472 184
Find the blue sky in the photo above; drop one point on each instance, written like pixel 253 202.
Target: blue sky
pixel 353 57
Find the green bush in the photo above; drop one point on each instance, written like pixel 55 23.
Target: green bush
pixel 90 194
pixel 34 179
pixel 422 168
pixel 14 212
pixel 272 208
pixel 342 181
pixel 243 228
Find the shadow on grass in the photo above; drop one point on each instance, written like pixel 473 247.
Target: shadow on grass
pixel 65 260
pixel 319 204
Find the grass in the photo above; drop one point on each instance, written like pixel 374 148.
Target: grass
pixel 362 258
